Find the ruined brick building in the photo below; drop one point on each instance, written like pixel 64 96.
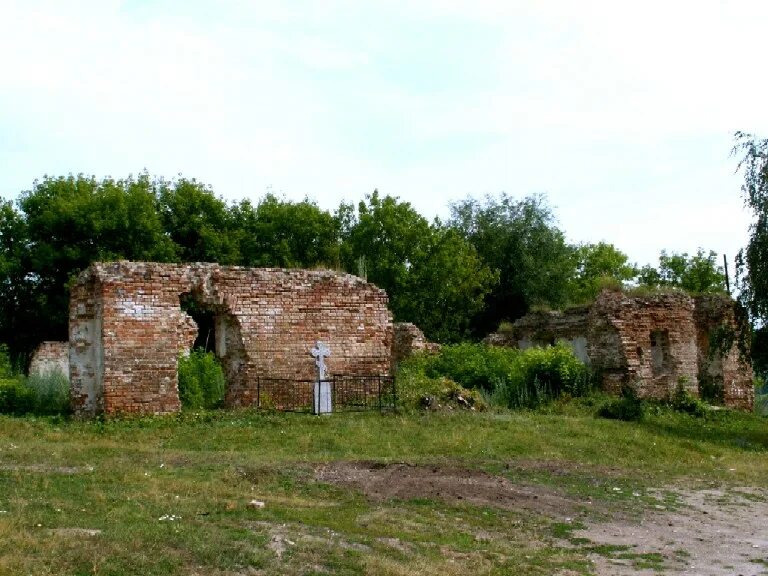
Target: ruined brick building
pixel 657 343
pixel 127 329
pixel 129 322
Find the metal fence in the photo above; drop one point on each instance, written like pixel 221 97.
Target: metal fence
pixel 348 393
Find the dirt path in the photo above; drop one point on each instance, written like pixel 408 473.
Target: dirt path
pixel 708 533
pixel 711 533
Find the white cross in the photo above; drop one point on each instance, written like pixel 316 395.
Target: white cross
pixel 320 352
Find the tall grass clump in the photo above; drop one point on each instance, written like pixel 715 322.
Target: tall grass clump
pixel 50 391
pixel 43 394
pixel 541 375
pixel 201 380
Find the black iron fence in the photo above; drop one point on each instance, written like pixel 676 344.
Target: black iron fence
pixel 348 393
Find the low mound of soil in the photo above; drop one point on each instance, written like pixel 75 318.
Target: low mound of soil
pixel 450 484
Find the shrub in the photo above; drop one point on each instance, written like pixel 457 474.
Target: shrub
pixel 682 401
pixel 43 394
pixel 540 375
pixel 628 406
pixel 15 398
pixel 201 380
pixel 506 376
pixel 473 365
pixel 417 390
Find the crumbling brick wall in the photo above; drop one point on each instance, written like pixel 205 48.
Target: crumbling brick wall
pixel 546 329
pixel 127 330
pixel 409 339
pixel 50 357
pixel 646 341
pixel 723 351
pixel 654 343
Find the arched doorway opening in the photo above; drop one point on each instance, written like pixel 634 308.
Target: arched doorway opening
pixel 215 363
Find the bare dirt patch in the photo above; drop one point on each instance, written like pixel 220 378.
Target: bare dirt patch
pixel 453 485
pixel 715 532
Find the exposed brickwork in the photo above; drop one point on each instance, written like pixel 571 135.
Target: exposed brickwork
pixel 718 317
pixel 127 329
pixel 409 339
pixel 50 357
pixel 655 343
pixel 647 341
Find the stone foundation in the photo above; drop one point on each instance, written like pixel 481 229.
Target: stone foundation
pixel 127 330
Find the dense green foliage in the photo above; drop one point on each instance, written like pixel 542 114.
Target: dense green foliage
pixel 507 377
pixel 628 407
pixel 491 262
pixel 286 234
pixel 697 274
pixel 15 398
pixel 42 394
pixel 201 380
pixel 519 240
pixel 598 266
pixel 433 276
pixel 542 374
pixel 752 262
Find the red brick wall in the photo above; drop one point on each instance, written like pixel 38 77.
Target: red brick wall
pixel 620 342
pixel 620 330
pixel 267 321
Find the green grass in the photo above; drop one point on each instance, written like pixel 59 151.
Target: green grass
pixel 202 469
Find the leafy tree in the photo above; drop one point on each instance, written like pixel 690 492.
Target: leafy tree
pixel 388 236
pixel 18 305
pixel 199 223
pixel 752 262
pixel 597 265
pixel 433 277
pixel 520 241
pixel 69 222
pixel 286 234
pixel 696 274
pixel 446 286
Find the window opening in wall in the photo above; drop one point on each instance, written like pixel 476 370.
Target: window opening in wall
pixel 660 356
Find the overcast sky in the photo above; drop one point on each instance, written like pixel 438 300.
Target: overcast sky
pixel 621 113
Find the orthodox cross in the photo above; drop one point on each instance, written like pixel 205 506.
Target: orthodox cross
pixel 320 352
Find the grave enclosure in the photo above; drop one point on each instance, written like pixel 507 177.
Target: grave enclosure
pixel 127 330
